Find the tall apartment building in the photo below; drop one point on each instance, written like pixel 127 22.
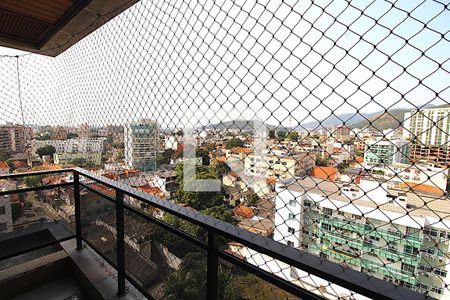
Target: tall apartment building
pixel 380 152
pixel 141 145
pixel 428 129
pixel 15 138
pixel 392 235
pixel 429 126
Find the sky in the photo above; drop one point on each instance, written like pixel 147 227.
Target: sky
pixel 191 63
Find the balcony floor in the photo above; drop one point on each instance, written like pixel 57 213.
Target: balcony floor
pixel 66 288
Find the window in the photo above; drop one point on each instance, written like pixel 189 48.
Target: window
pixel 408 268
pixel 327 211
pixel 291 230
pixel 437 290
pixel 341 213
pixel 306 203
pixel 2 210
pixel 440 272
pixel 290 244
pixel 292 203
pixel 291 216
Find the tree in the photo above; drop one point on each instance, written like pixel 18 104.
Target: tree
pixel 32 181
pixel 204 154
pixel 4 156
pixel 220 169
pixel 322 162
pixel 253 200
pixel 72 135
pixel 281 134
pixel 42 137
pixel 46 150
pixel 293 136
pixel 164 157
pixel 271 134
pixel 198 200
pixel 234 142
pixel 189 281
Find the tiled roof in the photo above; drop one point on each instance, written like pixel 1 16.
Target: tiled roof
pixel 326 173
pixel 4 165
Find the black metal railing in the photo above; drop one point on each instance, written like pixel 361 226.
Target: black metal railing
pixel 359 283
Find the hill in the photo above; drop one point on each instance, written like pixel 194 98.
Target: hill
pixel 333 120
pixel 383 120
pixel 242 125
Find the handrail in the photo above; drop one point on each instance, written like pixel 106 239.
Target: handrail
pixel 355 281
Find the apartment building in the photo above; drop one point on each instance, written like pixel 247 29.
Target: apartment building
pixel 90 158
pixel 281 167
pixel 381 152
pixel 395 236
pixel 142 145
pixel 79 145
pixel 428 126
pixel 15 138
pixel 430 178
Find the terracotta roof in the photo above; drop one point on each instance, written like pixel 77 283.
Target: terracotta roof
pixel 47 166
pixel 327 173
pixel 220 158
pixel 19 165
pixel 4 165
pixel 359 159
pixel 150 189
pixel 243 211
pixel 241 150
pixel 421 187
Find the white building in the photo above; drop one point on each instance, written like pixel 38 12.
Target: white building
pixel 71 145
pixel 395 236
pixel 141 145
pixel 417 174
pixel 430 126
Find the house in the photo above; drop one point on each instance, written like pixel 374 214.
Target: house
pixel 4 168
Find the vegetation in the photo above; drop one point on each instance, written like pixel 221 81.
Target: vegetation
pixel 253 199
pixel 72 135
pixel 32 181
pixel 281 134
pixel 189 281
pixel 321 161
pixel 42 137
pixel 81 162
pixel 383 121
pixel 293 136
pixel 46 150
pixel 234 142
pixel 4 156
pixel 219 169
pixel 165 157
pixel 271 134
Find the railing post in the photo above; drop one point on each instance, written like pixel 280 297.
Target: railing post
pixel 120 243
pixel 76 194
pixel 213 266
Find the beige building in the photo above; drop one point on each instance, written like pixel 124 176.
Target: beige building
pixel 281 167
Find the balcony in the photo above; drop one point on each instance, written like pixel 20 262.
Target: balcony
pixel 106 224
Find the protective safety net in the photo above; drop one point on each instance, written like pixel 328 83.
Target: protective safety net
pixel 323 125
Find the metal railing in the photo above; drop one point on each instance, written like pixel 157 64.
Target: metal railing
pixel 357 282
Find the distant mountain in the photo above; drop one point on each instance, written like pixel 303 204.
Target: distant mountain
pixel 242 125
pixel 384 120
pixel 333 120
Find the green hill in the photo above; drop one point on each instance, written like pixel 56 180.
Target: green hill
pixel 388 120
